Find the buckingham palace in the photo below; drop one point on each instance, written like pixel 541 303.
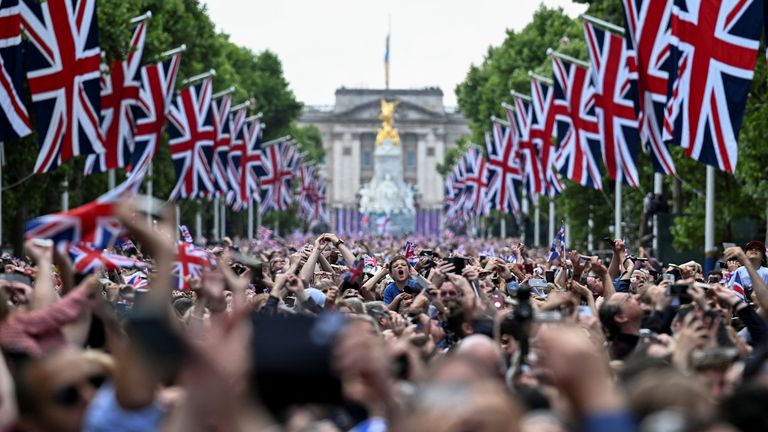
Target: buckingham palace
pixel 426 127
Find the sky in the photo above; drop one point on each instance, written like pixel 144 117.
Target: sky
pixel 327 44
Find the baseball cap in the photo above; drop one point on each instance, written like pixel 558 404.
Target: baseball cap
pixel 755 244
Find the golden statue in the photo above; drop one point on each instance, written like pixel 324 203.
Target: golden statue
pixel 387 131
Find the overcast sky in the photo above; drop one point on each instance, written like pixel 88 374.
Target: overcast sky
pixel 326 44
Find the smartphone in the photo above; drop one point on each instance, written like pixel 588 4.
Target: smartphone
pixel 549 276
pixel 727 245
pixel 610 241
pixel 459 263
pixel 426 253
pixel 537 283
pixel 713 279
pixel 290 302
pixel 257 269
pixel 679 291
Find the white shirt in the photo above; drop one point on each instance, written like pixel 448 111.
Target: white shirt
pixel 744 275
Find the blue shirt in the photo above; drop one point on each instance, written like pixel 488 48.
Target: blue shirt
pixel 104 414
pixel 391 291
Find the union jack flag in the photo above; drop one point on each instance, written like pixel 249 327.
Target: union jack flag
pixel 307 177
pixel 319 209
pixel 541 135
pixel 94 223
pixel 311 196
pixel 191 141
pixel 190 261
pixel 14 119
pixel 119 94
pixel 714 50
pixel 237 144
pixel 557 249
pixel 138 280
pixel 370 261
pixel 63 56
pixel 185 234
pixel 648 38
pixel 521 117
pixel 455 191
pixel 614 75
pixel 86 259
pixel 577 129
pixel 475 181
pixel 737 286
pixel 251 163
pixel 221 126
pixel 278 162
pixel 409 252
pixel 157 83
pixel 503 170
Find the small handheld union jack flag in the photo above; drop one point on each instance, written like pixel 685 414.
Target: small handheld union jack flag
pixel 370 261
pixel 138 280
pixel 557 249
pixel 185 234
pixel 737 286
pixel 88 260
pixel 190 261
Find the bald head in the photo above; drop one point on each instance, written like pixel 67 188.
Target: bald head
pixel 482 349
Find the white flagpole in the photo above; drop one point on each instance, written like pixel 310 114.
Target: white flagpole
pixel 536 222
pixel 617 209
pixel 110 179
pixel 551 218
pixel 215 219
pixel 65 195
pixel 709 221
pixel 150 188
pixel 250 221
pixel 657 190
pixel 198 227
pixel 503 226
pixel 223 220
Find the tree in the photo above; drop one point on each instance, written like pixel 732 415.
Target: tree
pixel 257 76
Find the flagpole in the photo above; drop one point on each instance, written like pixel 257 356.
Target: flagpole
pixel 198 226
pixel 503 226
pixel 551 217
pixel 590 234
pixel 551 52
pixel 180 49
pixel 215 219
pixel 210 73
pixel 710 251
pixel 110 179
pixel 617 209
pixel 178 221
pixel 65 195
pixel 540 78
pixel 223 220
pixel 524 210
pixel 250 221
pixel 536 222
pixel 657 189
pixel 150 187
pixel 604 24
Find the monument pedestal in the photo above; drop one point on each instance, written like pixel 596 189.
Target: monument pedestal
pixel 387 199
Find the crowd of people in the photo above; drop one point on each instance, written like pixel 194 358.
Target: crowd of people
pixel 376 334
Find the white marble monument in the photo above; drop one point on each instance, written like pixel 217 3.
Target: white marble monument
pixel 387 194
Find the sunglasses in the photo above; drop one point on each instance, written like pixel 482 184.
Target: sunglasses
pixel 70 395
